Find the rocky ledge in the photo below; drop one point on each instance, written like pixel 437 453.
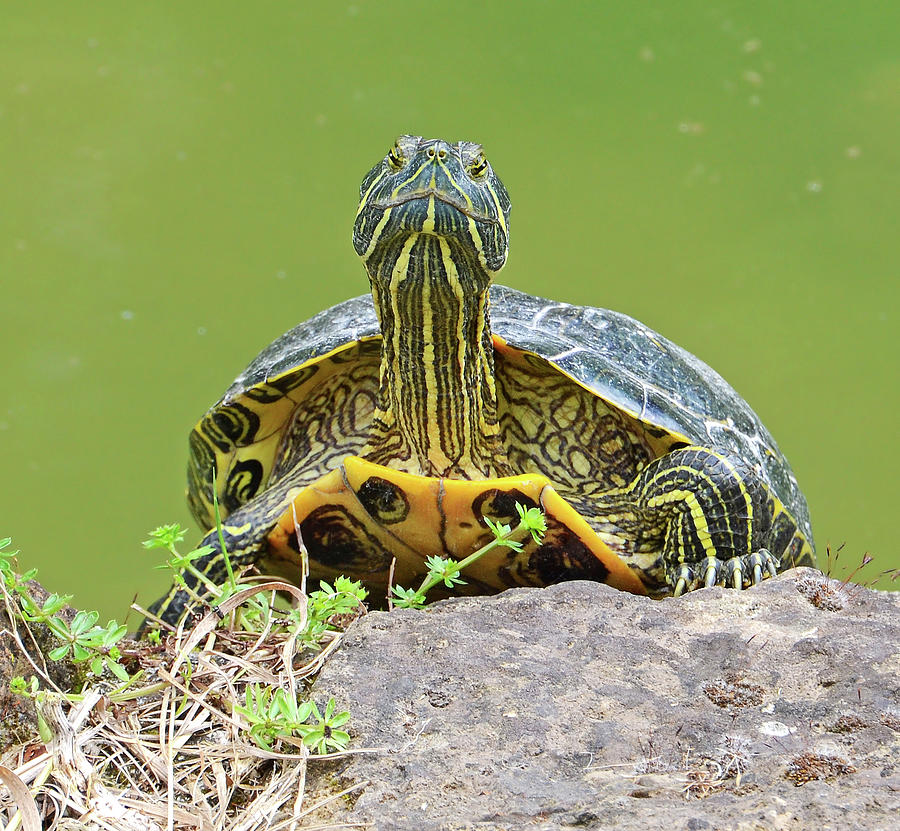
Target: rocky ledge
pixel 580 706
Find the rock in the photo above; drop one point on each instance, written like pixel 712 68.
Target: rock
pixel 578 706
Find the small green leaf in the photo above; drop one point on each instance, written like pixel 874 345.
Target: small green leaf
pixel 500 530
pixel 339 739
pixel 165 536
pixel 180 561
pixel 113 633
pixel 340 718
pixel 58 653
pixel 83 621
pixel 17 685
pixel 304 710
pixel 407 598
pixel 533 520
pixel 44 730
pixel 117 669
pixel 54 603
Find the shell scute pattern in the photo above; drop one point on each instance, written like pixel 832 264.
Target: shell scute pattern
pixel 330 330
pixel 253 438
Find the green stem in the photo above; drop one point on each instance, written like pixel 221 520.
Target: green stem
pixel 432 579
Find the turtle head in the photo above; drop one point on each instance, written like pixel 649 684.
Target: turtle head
pixel 433 187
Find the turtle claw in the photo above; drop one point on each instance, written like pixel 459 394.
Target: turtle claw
pixel 713 567
pixel 757 574
pixel 763 564
pixel 735 572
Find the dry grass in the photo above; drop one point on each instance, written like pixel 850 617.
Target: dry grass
pixel 172 754
pixel 720 771
pixel 698 775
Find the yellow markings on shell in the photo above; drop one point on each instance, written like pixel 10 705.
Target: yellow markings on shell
pixel 613 446
pixel 580 464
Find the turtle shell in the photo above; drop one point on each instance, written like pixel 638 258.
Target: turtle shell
pixel 628 365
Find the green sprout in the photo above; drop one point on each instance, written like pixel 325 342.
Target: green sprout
pixel 531 521
pixel 167 537
pixel 11 580
pixel 324 608
pixel 410 598
pixel 341 599
pixel 273 714
pixel 88 642
pixel 322 736
pixel 83 641
pixel 448 570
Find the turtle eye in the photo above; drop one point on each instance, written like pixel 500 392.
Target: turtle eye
pixel 477 168
pixel 395 158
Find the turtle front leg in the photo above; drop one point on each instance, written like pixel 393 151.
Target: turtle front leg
pixel 712 515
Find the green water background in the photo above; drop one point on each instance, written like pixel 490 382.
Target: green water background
pixel 179 182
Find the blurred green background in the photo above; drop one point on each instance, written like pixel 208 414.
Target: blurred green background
pixel 179 182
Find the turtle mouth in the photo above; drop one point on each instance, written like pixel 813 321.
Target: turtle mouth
pixel 441 196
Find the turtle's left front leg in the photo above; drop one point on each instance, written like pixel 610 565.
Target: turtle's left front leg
pixel 715 517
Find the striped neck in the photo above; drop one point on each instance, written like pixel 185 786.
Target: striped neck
pixel 437 407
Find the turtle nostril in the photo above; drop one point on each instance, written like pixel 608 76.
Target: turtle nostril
pixel 442 153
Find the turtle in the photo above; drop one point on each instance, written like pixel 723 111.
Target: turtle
pixel 392 426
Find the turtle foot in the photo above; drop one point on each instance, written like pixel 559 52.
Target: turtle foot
pixel 735 572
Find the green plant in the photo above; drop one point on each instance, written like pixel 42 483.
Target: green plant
pixel 273 714
pixel 322 736
pixel 167 537
pixel 11 580
pixel 83 641
pixel 325 608
pixel 531 522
